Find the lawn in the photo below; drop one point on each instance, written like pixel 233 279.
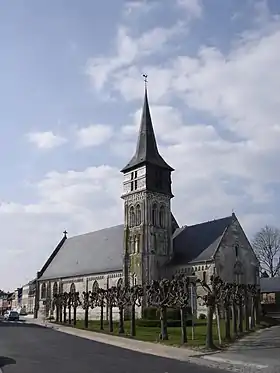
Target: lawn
pixel 151 334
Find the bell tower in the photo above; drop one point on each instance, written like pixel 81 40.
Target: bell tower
pixel 147 207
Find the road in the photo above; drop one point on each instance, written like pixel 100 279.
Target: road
pixel 261 349
pixel 28 348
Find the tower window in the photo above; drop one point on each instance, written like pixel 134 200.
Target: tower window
pixel 154 214
pixel 138 215
pixel 131 217
pixel 135 184
pixel 161 216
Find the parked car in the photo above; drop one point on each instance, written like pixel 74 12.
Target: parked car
pixel 11 316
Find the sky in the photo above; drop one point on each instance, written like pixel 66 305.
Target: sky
pixel 71 96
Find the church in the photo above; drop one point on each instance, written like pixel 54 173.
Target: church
pixel 149 244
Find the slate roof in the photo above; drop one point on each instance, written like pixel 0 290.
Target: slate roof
pixel 146 150
pixel 197 243
pixel 94 252
pixel 270 284
pixel 102 251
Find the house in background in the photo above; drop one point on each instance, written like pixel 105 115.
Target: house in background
pixel 28 297
pixel 270 294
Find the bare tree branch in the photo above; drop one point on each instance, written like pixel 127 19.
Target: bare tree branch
pixel 266 244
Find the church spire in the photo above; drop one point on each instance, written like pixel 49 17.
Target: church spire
pixel 146 150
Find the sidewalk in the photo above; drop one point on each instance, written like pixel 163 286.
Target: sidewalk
pixel 182 354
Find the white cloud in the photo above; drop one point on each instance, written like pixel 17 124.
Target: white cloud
pixel 193 7
pixel 94 135
pixel 130 50
pixel 46 140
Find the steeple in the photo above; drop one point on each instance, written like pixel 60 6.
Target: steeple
pixel 146 150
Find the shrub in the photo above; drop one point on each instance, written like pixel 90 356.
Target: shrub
pixel 156 323
pixel 202 316
pixel 152 313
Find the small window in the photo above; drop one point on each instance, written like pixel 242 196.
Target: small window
pixel 138 215
pixel 204 276
pixel 55 288
pixel 135 174
pixel 131 175
pixel 162 217
pixel 131 217
pixel 154 214
pixel 43 291
pixel 135 184
pixel 131 187
pixel 199 268
pixel 236 250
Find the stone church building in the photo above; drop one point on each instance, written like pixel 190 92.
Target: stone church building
pixel 150 244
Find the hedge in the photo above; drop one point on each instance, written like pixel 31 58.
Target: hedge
pixel 152 313
pixel 156 323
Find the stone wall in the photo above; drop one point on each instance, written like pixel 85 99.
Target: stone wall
pixel 235 255
pixel 82 284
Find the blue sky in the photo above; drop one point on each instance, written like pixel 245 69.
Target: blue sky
pixel 71 90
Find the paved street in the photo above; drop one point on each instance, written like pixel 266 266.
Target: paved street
pixel 27 348
pixel 261 349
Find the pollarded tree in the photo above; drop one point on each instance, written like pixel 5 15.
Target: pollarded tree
pixel 64 303
pixel 135 299
pixel 227 292
pixel 158 295
pixel 111 303
pixel 76 302
pixel 266 245
pixel 212 298
pixel 180 298
pixel 86 304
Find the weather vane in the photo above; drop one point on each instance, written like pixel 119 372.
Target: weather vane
pixel 145 76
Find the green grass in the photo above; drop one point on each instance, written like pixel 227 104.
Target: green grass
pixel 151 334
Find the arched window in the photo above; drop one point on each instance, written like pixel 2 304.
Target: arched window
pixel 95 287
pixel 120 282
pixel 154 214
pixel 49 291
pixel 131 216
pixel 138 215
pixel 161 216
pixel 204 276
pixel 72 288
pixel 55 288
pixel 43 291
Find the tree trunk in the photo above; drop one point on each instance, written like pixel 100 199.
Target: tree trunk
pixel 257 310
pixel 234 320
pixel 209 343
pixel 111 325
pixel 69 315
pixel 227 324
pixel 133 322
pixel 75 315
pixel 253 320
pixel 64 314
pixel 163 324
pixel 246 310
pixel 86 317
pixel 183 315
pixel 121 321
pixel 240 319
pixel 102 316
pixel 57 313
